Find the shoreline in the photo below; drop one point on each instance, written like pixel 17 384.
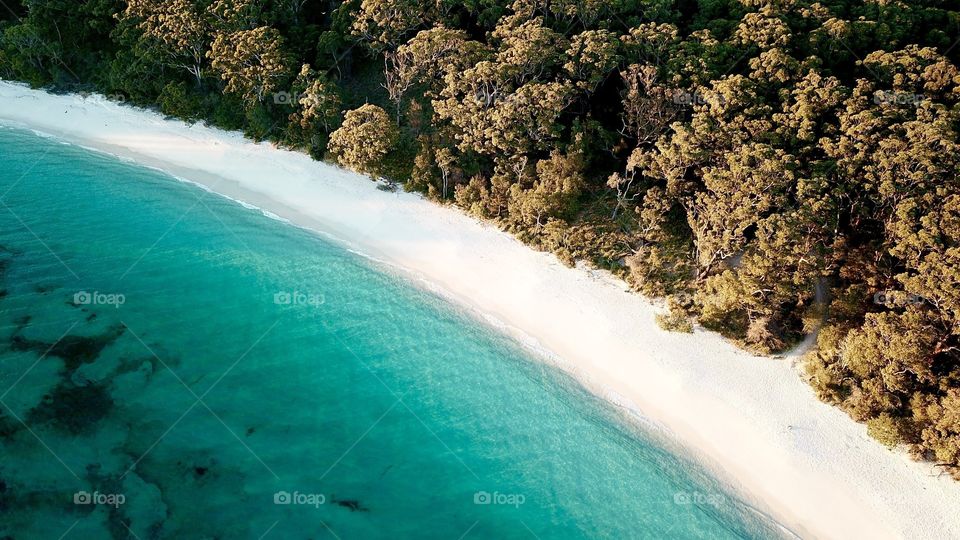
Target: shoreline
pixel 752 420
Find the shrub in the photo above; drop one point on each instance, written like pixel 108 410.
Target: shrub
pixel 675 321
pixel 885 429
pixel 364 140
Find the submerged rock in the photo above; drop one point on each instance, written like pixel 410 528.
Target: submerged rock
pixel 21 322
pixel 351 504
pixel 73 350
pixel 8 425
pixel 73 408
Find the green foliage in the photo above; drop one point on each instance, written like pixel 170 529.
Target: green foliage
pixel 364 140
pixel 885 429
pixel 179 100
pixel 553 193
pixel 259 122
pixel 229 112
pixel 251 62
pixel 675 320
pixel 315 104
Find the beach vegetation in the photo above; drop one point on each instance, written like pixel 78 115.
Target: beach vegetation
pixel 675 320
pixel 364 140
pixel 886 429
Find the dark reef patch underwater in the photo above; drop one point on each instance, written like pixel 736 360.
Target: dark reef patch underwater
pixel 152 385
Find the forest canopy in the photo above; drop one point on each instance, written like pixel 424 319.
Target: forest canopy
pixel 772 167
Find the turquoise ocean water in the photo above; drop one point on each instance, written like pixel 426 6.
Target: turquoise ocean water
pixel 175 365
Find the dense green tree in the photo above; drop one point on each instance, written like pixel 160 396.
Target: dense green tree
pixel 318 99
pixel 251 62
pixel 179 30
pixel 554 191
pixel 364 140
pixel 383 23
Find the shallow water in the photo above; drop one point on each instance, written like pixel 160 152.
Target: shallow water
pixel 175 365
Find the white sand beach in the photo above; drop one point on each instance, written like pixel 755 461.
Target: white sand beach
pixel 751 420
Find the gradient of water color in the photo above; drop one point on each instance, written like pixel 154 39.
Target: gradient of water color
pixel 175 365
